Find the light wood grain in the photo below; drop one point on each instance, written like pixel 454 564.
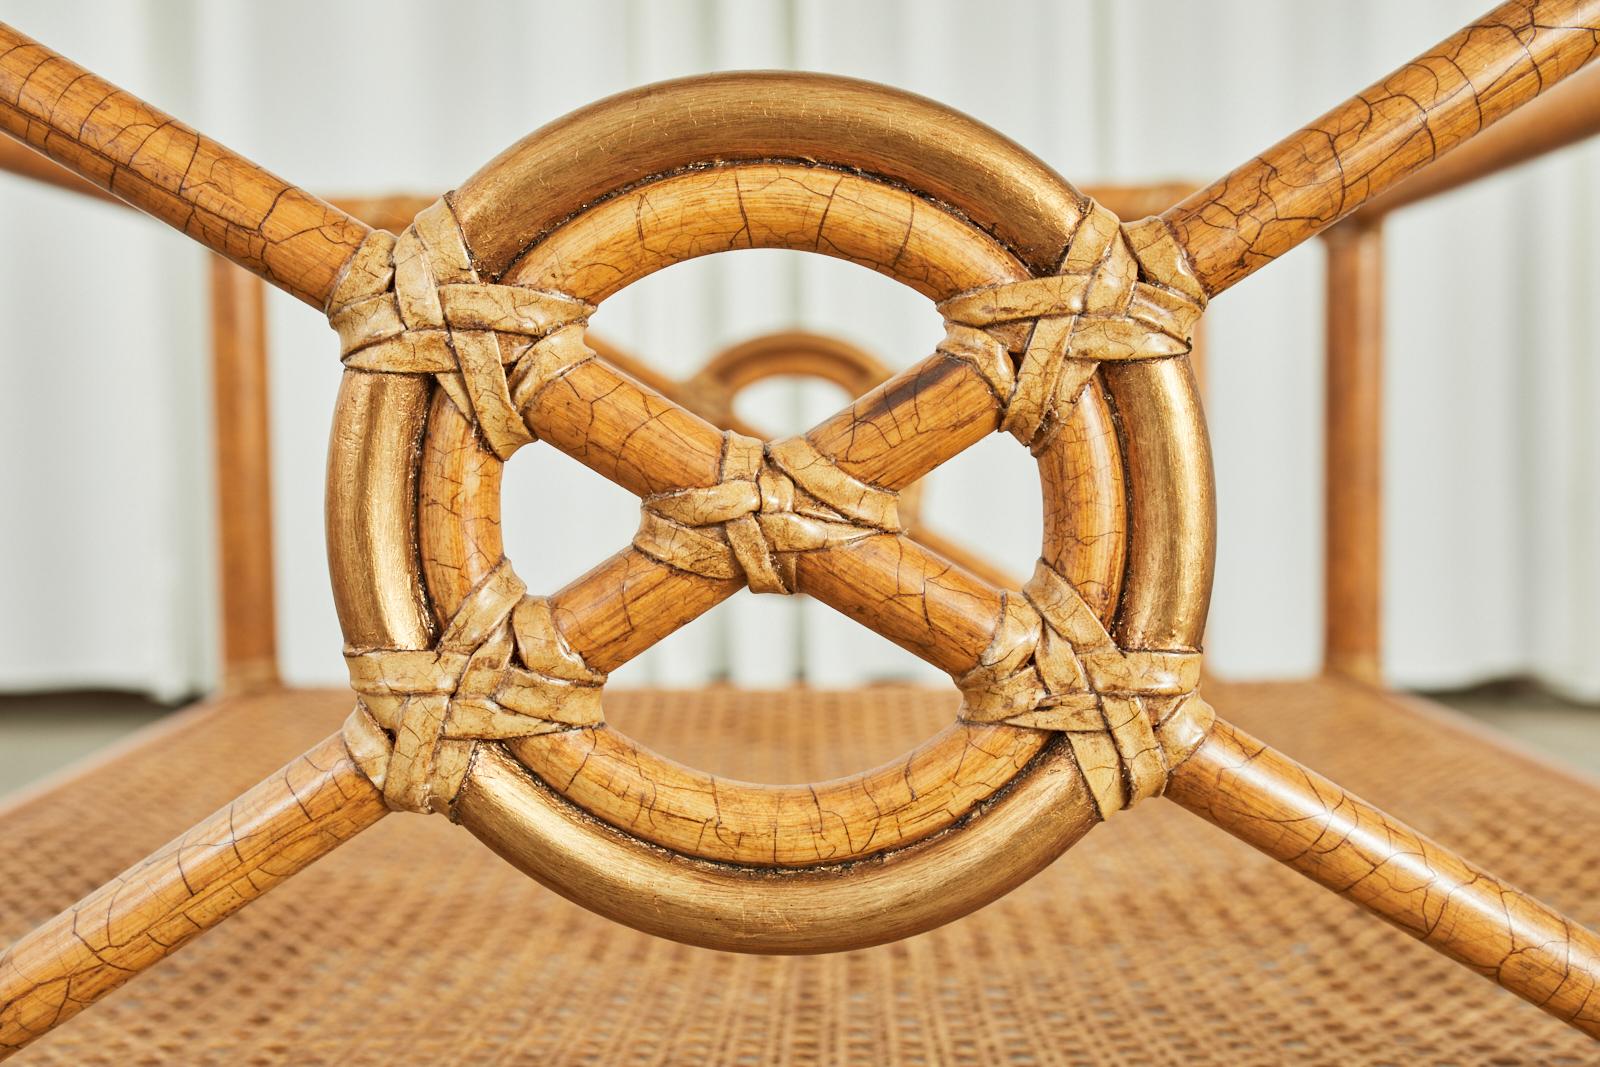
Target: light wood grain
pixel 919 418
pixel 152 909
pixel 1374 860
pixel 885 165
pixel 244 478
pixel 1566 114
pixel 1353 560
pixel 154 162
pixel 632 601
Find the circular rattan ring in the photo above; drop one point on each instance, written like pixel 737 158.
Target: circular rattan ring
pixel 925 195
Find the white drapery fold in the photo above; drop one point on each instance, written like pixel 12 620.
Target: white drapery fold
pixel 1493 463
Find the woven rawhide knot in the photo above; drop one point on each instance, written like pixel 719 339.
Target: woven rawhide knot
pixel 771 503
pixel 1129 714
pixel 413 304
pixel 500 670
pixel 1122 293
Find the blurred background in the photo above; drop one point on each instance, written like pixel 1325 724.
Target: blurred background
pixel 1493 374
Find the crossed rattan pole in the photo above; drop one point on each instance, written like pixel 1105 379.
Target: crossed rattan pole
pixel 247 628
pixel 1229 230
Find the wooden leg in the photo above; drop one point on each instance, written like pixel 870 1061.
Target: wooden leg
pixel 244 478
pixel 1339 841
pixel 278 828
pixel 1353 562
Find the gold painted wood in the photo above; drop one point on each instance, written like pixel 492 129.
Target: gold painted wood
pixel 193 184
pixel 709 393
pixel 239 393
pixel 1355 359
pixel 1565 115
pixel 750 120
pixel 243 476
pixel 617 416
pixel 731 821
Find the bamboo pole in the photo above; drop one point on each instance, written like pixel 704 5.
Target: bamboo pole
pixel 1374 860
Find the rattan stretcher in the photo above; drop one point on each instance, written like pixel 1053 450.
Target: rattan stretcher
pixel 1157 939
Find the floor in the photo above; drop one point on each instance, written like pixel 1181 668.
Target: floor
pixel 1559 728
pixel 42 734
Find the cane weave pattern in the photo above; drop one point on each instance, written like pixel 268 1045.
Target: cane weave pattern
pixel 1260 967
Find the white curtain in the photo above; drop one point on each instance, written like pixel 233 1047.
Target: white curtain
pixel 1494 375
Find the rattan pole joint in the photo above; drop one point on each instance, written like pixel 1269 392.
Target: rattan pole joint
pixel 772 502
pixel 415 305
pixel 420 713
pixel 1123 293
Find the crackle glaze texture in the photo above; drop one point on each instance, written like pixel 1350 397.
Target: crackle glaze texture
pixel 195 185
pixel 1157 939
pixel 1314 177
pixel 984 803
pixel 890 437
pixel 1338 840
pixel 955 211
pixel 311 806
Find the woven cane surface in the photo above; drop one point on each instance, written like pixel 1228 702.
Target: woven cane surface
pixel 1157 940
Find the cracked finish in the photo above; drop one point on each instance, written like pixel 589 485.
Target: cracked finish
pixel 1303 820
pixel 193 184
pixel 621 607
pixel 1122 294
pixel 760 825
pixel 888 438
pixel 1237 943
pixel 769 205
pixel 628 601
pixel 1564 115
pixel 771 503
pixel 500 670
pixel 1036 228
pixel 156 906
pixel 416 305
pixel 709 393
pixel 1129 714
pixel 1316 176
pixel 565 168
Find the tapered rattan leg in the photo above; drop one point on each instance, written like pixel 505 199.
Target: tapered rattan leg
pixel 1339 841
pixel 148 911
